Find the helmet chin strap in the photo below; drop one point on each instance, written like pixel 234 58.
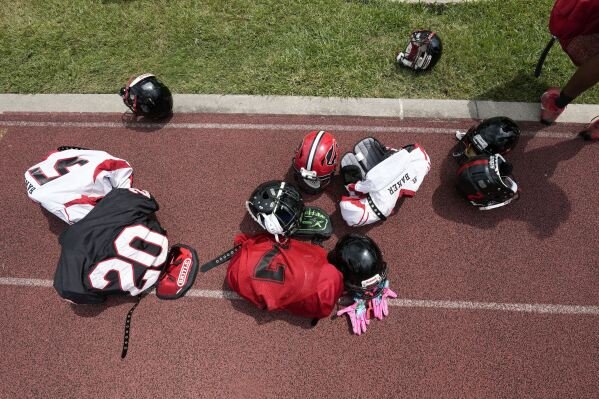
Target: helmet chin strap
pixel 269 222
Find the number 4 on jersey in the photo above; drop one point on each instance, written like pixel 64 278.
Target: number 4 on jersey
pixel 269 268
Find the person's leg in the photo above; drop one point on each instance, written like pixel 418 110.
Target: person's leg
pixel 585 77
pixel 584 52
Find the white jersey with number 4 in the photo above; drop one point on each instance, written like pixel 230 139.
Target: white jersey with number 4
pixel 399 175
pixel 69 183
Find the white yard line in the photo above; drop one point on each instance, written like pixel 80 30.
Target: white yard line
pixel 538 308
pixel 266 126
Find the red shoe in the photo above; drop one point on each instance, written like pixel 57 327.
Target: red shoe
pixel 550 111
pixel 591 133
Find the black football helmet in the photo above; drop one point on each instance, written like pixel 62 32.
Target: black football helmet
pixel 360 261
pixel 423 51
pixel 277 207
pixel 486 182
pixel 497 135
pixel 146 96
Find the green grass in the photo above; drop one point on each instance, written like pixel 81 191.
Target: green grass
pixel 278 47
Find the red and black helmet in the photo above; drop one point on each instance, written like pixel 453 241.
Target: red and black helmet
pixel 486 182
pixel 422 52
pixel 315 161
pixel 147 96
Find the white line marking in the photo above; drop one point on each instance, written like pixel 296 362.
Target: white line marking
pixel 262 126
pixel 26 282
pixel 404 303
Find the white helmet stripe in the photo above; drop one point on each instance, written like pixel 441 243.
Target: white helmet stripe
pixel 313 149
pixel 140 78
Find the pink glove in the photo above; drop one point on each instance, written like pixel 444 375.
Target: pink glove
pixel 358 315
pixel 380 304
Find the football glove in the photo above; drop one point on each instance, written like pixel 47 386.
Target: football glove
pixel 358 315
pixel 380 304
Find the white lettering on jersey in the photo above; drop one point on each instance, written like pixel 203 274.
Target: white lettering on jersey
pixel 124 269
pixel 69 183
pixel 128 235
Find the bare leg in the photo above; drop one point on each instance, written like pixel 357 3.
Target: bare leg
pixel 585 77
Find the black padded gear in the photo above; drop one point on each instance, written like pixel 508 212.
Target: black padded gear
pixel 368 153
pixel 351 174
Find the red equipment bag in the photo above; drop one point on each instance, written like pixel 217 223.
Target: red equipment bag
pixel 294 276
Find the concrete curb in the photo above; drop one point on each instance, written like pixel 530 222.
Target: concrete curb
pixel 289 105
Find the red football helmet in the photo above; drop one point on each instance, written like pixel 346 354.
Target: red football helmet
pixel 315 161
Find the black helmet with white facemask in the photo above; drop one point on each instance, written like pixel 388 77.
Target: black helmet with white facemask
pixel 277 207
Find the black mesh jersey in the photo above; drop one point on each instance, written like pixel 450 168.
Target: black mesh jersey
pixel 118 248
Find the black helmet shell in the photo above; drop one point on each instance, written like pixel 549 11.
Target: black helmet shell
pixel 360 260
pixel 497 135
pixel 147 96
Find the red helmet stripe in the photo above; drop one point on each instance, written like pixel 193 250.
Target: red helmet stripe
pixel 313 149
pixel 473 163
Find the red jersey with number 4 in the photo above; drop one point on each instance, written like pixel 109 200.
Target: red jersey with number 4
pixel 69 183
pixel 295 277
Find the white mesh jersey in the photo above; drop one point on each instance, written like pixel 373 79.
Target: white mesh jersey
pixel 399 175
pixel 69 183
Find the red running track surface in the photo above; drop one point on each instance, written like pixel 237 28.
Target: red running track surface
pixel 201 168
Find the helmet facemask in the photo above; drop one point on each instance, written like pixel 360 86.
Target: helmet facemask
pixel 310 182
pixel 468 147
pixel 279 219
pixel 129 98
pixel 486 182
pixel 370 287
pixel 420 54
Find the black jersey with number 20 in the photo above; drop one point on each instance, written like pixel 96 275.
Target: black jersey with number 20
pixel 118 248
